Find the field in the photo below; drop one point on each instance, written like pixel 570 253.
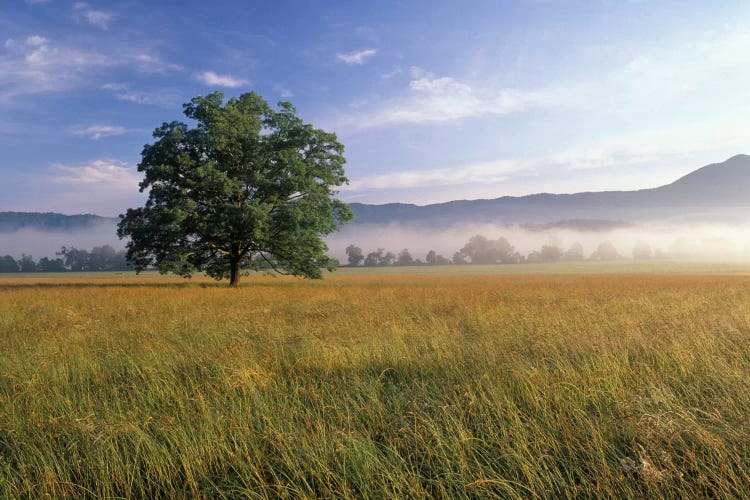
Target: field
pixel 555 382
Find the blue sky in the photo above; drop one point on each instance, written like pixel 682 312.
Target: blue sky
pixel 433 100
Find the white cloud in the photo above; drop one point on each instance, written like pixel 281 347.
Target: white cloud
pixel 214 79
pixel 159 97
pixel 102 186
pixel 356 57
pixel 37 65
pixel 432 99
pixel 140 97
pixel 36 41
pixel 659 147
pixel 395 71
pixel 283 91
pixel 688 76
pixel 718 138
pixel 115 86
pixel 480 172
pixel 693 75
pixel 162 97
pixel 113 174
pixel 97 132
pixel 149 63
pixel 99 18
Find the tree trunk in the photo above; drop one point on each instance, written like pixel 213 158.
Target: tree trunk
pixel 234 274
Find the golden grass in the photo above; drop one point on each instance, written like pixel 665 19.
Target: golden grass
pixel 377 386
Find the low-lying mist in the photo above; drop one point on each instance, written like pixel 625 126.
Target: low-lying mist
pixel 46 243
pixel 709 241
pixel 699 241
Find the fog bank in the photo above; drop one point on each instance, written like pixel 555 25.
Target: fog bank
pixel 709 241
pixel 704 241
pixel 46 243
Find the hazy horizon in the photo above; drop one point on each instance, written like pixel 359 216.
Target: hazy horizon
pixel 702 241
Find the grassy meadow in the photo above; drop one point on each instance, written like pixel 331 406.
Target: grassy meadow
pixel 554 383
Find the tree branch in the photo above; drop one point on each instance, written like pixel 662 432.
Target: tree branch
pixel 218 248
pixel 274 266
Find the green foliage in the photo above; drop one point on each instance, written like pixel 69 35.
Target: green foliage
pixel 27 264
pixel 548 253
pixel 103 258
pixel 47 265
pixel 388 259
pixel 375 258
pixel 551 253
pixel 354 255
pixel 431 257
pixel 435 259
pixel 8 264
pixel 248 181
pixel 404 258
pixel 480 250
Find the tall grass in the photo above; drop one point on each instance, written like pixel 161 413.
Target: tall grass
pixel 377 386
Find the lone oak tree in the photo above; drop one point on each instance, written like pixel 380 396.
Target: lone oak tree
pixel 247 186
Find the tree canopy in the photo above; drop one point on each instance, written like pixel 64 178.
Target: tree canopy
pixel 354 255
pixel 247 186
pixel 483 251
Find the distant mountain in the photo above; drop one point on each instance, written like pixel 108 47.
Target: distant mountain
pixel 717 191
pixel 15 221
pixel 722 184
pixel 720 191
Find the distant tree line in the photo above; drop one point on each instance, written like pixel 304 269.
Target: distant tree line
pixel 103 258
pixel 478 250
pixel 481 250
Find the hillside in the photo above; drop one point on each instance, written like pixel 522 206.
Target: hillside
pixel 716 191
pixel 720 191
pixel 49 221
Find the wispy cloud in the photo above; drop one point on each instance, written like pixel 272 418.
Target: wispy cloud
pixel 356 57
pixel 112 173
pixel 149 63
pixel 115 86
pixel 649 147
pixel 394 71
pixel 482 172
pixel 214 79
pixel 657 145
pixel 33 41
pixel 97 132
pixel 103 186
pixel 283 91
pixel 99 18
pixel 37 65
pixel 433 99
pixel 161 97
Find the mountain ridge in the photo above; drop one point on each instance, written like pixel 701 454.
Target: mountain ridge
pixel 49 221
pixel 707 192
